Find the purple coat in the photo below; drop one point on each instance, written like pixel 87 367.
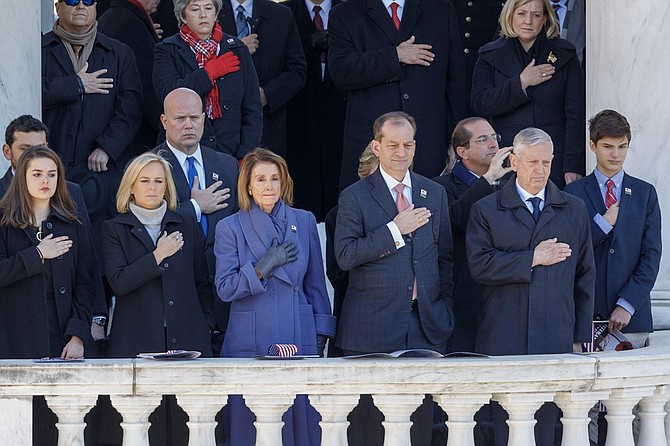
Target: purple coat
pixel 292 306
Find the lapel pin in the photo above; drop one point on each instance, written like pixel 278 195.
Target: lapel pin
pixel 215 176
pixel 627 191
pixel 423 193
pixel 229 41
pixel 294 228
pixel 551 58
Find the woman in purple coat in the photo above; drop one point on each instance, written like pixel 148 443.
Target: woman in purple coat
pixel 269 267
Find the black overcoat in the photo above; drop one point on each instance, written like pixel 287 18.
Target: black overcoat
pixel 23 307
pixel 279 62
pixel 158 307
pixel 528 310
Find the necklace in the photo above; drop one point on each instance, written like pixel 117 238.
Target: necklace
pixel 39 234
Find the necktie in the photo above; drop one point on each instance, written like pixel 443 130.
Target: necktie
pixel 557 7
pixel 192 173
pixel 402 203
pixel 241 23
pixel 318 26
pixel 394 15
pixel 610 198
pixel 535 201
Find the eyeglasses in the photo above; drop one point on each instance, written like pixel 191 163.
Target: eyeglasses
pixel 76 2
pixel 485 139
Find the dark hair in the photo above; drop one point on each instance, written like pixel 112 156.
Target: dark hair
pixel 608 123
pixel 250 160
pixel 395 118
pixel 17 205
pixel 461 135
pixel 24 124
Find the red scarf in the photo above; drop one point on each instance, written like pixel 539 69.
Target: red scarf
pixel 205 50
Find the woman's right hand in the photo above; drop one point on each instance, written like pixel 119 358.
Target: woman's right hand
pixel 536 74
pixel 52 247
pixel 167 245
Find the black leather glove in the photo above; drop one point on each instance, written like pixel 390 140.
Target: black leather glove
pixel 321 344
pixel 276 256
pixel 319 40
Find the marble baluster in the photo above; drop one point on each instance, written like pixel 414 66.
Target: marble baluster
pixel 269 409
pixel 575 407
pixel 135 411
pixel 620 414
pixel 461 409
pixel 71 411
pixel 334 410
pixel 521 408
pixel 397 410
pixel 652 417
pixel 667 423
pixel 17 419
pixel 201 410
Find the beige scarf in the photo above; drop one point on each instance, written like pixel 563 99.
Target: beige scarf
pixel 86 41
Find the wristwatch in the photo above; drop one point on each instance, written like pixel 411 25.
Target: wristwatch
pixel 99 320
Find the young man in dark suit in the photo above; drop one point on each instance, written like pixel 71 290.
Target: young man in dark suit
pixel 394 238
pixel 269 31
pixel 626 229
pixel 212 194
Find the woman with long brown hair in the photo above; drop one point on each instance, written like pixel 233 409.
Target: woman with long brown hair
pixel 46 258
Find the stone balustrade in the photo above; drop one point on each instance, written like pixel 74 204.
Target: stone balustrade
pixel 459 385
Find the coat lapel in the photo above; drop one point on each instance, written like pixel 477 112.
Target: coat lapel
pixel 624 202
pixel 180 181
pixel 509 199
pixel 410 16
pixel 381 17
pixel 380 193
pixel 593 192
pixel 137 229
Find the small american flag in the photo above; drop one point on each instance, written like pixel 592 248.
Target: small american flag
pixel 282 350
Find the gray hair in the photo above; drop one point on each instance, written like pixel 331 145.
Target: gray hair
pixel 530 137
pixel 180 7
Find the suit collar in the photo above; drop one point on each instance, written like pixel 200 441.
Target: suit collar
pixel 509 199
pixel 381 194
pixel 137 229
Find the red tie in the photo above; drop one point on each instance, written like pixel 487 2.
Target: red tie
pixel 401 203
pixel 610 198
pixel 394 15
pixel 318 26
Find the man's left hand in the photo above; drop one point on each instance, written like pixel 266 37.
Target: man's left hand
pixel 619 319
pixel 571 176
pixel 97 160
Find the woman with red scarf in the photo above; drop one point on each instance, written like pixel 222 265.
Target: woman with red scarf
pixel 219 68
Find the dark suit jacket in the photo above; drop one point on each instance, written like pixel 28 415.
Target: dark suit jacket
pixel 467 293
pixel 375 312
pixel 99 304
pixel 525 309
pixel 556 106
pixel 315 122
pixel 238 131
pixel 364 62
pixel 279 62
pixel 129 24
pixel 628 258
pixel 226 169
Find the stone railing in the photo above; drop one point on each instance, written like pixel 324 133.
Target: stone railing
pixel 461 386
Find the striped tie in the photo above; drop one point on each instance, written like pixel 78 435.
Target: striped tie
pixel 610 198
pixel 241 23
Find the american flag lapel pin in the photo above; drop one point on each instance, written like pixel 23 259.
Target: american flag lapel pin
pixel 230 41
pixel 423 193
pixel 215 176
pixel 294 228
pixel 628 191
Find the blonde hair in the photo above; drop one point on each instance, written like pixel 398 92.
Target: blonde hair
pixel 367 162
pixel 133 169
pixel 250 160
pixel 551 25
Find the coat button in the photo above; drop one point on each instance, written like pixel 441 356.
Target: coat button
pixel 405 96
pixel 225 108
pixel 174 341
pixel 467 35
pixel 166 264
pixel 140 230
pixel 171 302
pixel 212 139
pixel 49 225
pixel 612 251
pixel 409 288
pixel 61 290
pixel 468 19
pixel 296 289
pixel 469 3
pixel 466 50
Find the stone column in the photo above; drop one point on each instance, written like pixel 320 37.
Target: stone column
pixel 20 72
pixel 521 408
pixel 269 410
pixel 17 419
pixel 334 410
pixel 627 71
pixel 135 411
pixel 461 409
pixel 620 414
pixel 71 411
pixel 575 407
pixel 652 418
pixel 397 410
pixel 201 410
